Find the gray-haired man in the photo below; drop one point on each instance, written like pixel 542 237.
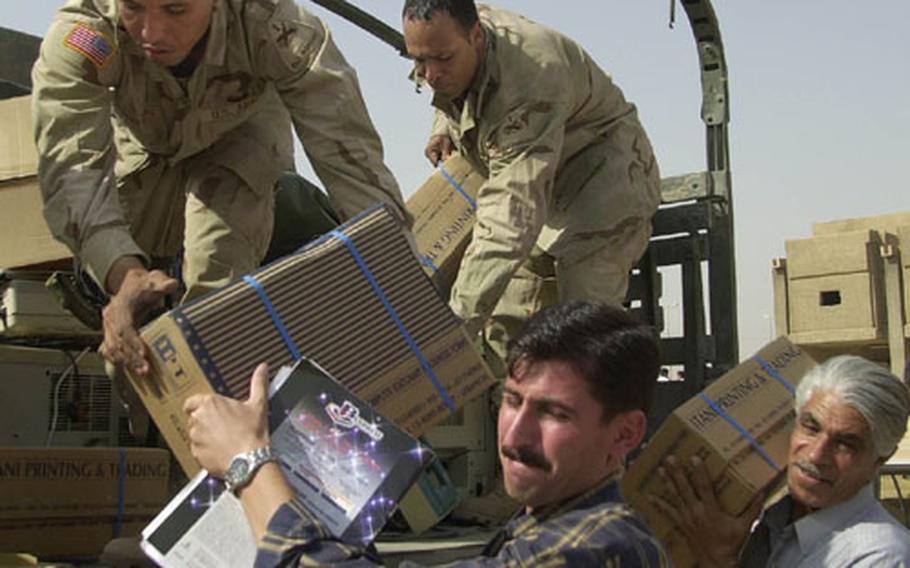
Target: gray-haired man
pixel 851 414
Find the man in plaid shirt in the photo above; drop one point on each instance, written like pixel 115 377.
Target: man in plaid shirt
pixel 581 379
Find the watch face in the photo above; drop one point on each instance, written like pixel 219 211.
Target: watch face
pixel 238 470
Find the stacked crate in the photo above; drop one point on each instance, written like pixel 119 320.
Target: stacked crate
pixel 845 291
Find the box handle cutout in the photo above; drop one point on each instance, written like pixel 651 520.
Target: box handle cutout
pixel 829 298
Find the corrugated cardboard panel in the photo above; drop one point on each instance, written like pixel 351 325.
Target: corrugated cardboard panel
pixel 848 301
pixel 842 253
pixel 888 223
pixel 756 398
pixel 82 482
pixel 443 210
pixel 18 157
pixel 372 320
pixel 68 536
pixel 30 309
pixel 903 235
pixel 24 234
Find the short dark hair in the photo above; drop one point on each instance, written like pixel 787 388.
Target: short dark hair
pixel 464 11
pixel 617 354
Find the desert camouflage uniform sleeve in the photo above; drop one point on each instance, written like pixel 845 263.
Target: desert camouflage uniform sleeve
pixel 323 96
pixel 71 104
pixel 440 124
pixel 512 207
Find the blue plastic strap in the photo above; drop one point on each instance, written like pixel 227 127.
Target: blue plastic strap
pixel 457 186
pixel 427 368
pixel 426 260
pixel 121 493
pixel 745 433
pixel 273 313
pixel 774 373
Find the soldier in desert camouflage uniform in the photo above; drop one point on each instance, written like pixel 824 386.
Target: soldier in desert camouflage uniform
pixel 164 124
pixel 572 180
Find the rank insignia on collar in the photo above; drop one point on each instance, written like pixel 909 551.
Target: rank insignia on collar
pixel 94 45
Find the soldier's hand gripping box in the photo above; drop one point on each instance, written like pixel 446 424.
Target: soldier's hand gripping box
pixel 356 300
pixel 739 426
pixel 444 211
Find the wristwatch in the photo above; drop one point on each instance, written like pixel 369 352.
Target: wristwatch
pixel 244 465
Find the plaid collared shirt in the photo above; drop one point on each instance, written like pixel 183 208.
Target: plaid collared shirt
pixel 594 529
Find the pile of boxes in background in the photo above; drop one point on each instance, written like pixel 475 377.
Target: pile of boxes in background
pixel 845 290
pixel 55 398
pixel 67 486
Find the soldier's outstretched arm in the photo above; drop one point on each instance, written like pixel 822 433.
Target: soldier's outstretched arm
pixel 321 91
pixel 77 67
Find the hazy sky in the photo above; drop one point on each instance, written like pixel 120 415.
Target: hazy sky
pixel 820 96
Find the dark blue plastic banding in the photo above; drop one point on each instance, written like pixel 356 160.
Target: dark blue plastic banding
pixel 738 427
pixel 273 313
pixel 774 373
pixel 457 186
pixel 427 368
pixel 426 260
pixel 121 493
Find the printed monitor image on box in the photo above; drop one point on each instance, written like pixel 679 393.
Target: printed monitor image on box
pixel 356 300
pixel 739 426
pixel 348 466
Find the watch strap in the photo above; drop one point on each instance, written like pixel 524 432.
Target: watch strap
pixel 254 460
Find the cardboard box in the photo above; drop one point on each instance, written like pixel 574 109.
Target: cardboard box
pixel 18 157
pixel 66 537
pixel 357 301
pixel 346 464
pixel 835 289
pixel 72 501
pixel 23 231
pixel 46 483
pixel 25 235
pixel 443 210
pixel 754 397
pixel 31 310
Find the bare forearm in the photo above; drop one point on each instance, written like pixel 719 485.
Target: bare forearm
pixel 264 495
pixel 123 268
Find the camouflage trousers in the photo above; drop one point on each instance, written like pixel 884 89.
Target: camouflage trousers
pixel 221 223
pixel 600 273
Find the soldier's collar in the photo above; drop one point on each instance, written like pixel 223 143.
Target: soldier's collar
pixel 216 50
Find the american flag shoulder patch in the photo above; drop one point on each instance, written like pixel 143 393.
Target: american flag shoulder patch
pixel 91 43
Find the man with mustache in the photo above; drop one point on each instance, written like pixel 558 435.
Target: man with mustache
pixel 572 182
pixel 581 379
pixel 162 127
pixel 851 414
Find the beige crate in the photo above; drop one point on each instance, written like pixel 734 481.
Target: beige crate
pixel 835 289
pixel 903 235
pixel 18 157
pixel 888 223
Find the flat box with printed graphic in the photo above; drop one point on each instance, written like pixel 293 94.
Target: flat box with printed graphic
pixel 356 300
pixel 739 426
pixel 347 465
pixel 443 210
